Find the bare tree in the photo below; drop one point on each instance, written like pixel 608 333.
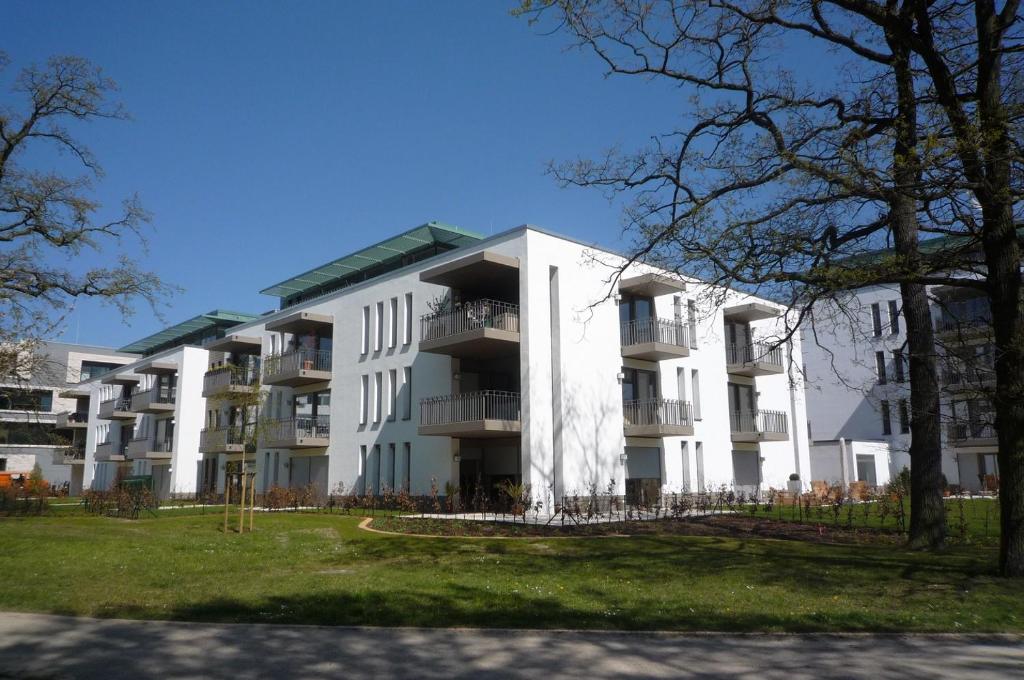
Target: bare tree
pixel 49 220
pixel 781 183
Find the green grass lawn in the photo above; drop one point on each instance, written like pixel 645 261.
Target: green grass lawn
pixel 319 568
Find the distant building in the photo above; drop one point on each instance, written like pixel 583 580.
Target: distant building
pixel 43 409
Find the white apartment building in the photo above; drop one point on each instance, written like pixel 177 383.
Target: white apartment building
pixel 437 356
pixel 43 410
pixel 858 388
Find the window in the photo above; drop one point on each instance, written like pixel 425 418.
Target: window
pixel 378 385
pixel 904 417
pixel 393 318
pixel 378 341
pixel 391 466
pixel 15 399
pixel 407 393
pixel 876 319
pixel 880 367
pixel 681 383
pixel 638 384
pixel 376 469
pixel 27 433
pixel 894 317
pixel 695 392
pixel 699 448
pixel 366 330
pixel 899 374
pixel 362 469
pixel 691 317
pixel 866 469
pixel 94 369
pixel 408 318
pixel 364 399
pixel 406 465
pixel 392 394
pixel 685 455
pixel 886 418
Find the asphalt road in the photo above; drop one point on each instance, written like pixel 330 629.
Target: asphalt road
pixel 38 646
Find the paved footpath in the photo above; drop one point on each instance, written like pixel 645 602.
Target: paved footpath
pixel 38 646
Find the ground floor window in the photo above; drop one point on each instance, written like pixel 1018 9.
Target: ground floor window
pixel 746 470
pixel 866 469
pixel 643 475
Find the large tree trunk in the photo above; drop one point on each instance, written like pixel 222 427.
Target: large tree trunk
pixel 1003 264
pixel 927 514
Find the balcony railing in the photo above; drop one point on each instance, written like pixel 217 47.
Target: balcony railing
pixel 300 427
pixel 470 407
pixel 111 448
pixel 221 378
pixel 81 417
pixel 657 412
pixel 221 437
pixel 296 360
pixel 759 422
pixel 754 352
pixel 653 329
pixel 164 446
pixel 158 394
pixel 118 404
pixel 470 316
pixel 963 430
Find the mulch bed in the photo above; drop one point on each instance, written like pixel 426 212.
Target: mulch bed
pixel 731 526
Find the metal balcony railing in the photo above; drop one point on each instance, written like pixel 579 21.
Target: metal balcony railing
pixel 657 412
pixel 774 422
pixel 164 446
pixel 653 329
pixel 470 316
pixel 296 360
pixel 219 437
pixel 962 430
pixel 117 404
pixel 222 377
pixel 158 394
pixel 754 352
pixel 75 417
pixel 470 407
pixel 300 427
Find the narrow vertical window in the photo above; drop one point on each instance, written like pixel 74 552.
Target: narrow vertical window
pixel 408 318
pixel 376 469
pixel 684 451
pixel 681 383
pixel 392 393
pixel 699 450
pixel 406 465
pixel 894 317
pixel 362 469
pixel 899 374
pixel 393 320
pixel 886 418
pixel 378 389
pixel 876 319
pixel 691 318
pixel 378 341
pixel 366 330
pixel 880 367
pixel 904 417
pixel 391 466
pixel 364 398
pixel 695 392
pixel 407 393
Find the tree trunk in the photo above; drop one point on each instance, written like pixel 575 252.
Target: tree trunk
pixel 927 513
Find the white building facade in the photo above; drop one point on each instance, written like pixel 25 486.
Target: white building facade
pixel 438 357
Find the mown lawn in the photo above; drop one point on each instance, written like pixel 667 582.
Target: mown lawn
pixel 319 568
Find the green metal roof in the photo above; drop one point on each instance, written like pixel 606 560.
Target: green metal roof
pixel 431 233
pixel 218 317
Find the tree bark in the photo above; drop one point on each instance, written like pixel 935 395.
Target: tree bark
pixel 927 513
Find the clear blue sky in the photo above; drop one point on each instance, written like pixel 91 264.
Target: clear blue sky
pixel 269 137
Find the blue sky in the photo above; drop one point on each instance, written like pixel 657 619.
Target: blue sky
pixel 268 137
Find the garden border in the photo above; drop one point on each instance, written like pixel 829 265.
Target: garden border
pixel 365 526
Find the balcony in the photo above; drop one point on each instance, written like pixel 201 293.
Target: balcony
pixel 967 379
pixel 654 339
pixel 230 379
pixel 965 433
pixel 72 455
pixel 480 329
pixel 472 415
pixel 754 359
pixel 110 452
pixel 651 285
pixel 157 399
pixel 297 367
pixel 751 311
pixel 145 448
pixel 117 409
pixel 657 418
pixel 72 420
pixel 964 318
pixel 302 432
pixel 759 426
pixel 222 440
